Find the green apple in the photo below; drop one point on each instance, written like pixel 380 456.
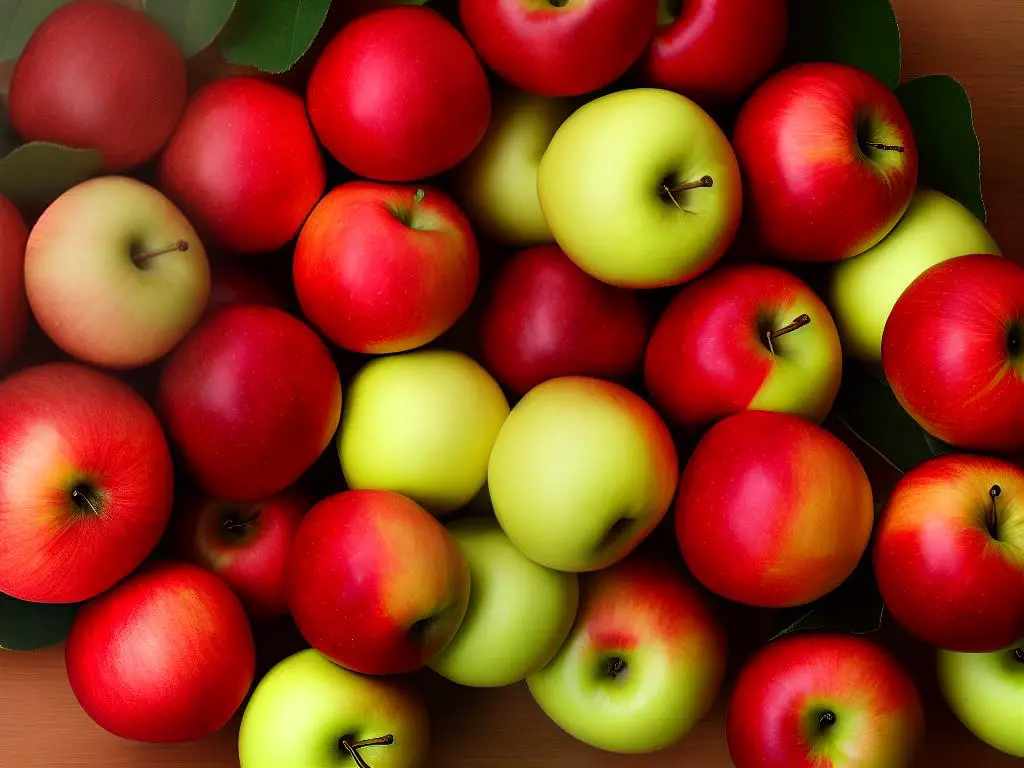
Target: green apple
pixel 308 712
pixel 986 691
pixel 641 188
pixel 864 289
pixel 519 612
pixel 421 424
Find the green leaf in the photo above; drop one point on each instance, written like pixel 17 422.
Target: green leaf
pixel 950 155
pixel 18 20
pixel 272 34
pixel 31 626
pixel 192 23
pixel 37 173
pixel 861 33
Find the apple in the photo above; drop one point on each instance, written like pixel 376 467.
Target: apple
pixel 824 699
pixel 13 304
pixel 519 612
pixel 231 283
pixel 642 665
pixel 773 511
pixel 165 656
pixel 558 47
pixel 643 172
pixel 115 274
pixel 948 552
pixel 746 337
pixel 399 95
pixel 829 161
pixel 381 268
pixel 953 352
pixel 85 483
pixel 375 582
pixel 250 399
pixel 986 692
pixel 582 471
pixel 421 424
pixel 548 318
pixel 98 75
pixel 715 51
pixel 243 163
pixel 307 711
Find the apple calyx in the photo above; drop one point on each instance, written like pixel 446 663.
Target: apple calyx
pixel 558 3
pixel 1015 340
pixel 884 147
pixel 81 496
pixel 992 521
pixel 826 720
pixel 670 192
pixel 142 258
pixel 799 322
pixel 616 667
pixel 353 747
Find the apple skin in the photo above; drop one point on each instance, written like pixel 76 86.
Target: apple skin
pixel 582 471
pixel 519 612
pixel 715 51
pixel 772 511
pixel 645 615
pixel 708 356
pixel 399 95
pixel 98 75
pixel 376 583
pixel 303 708
pixel 953 352
pixel 381 268
pixel 234 284
pixel 547 318
pixel 943 575
pixel 13 302
pixel 74 440
pixel 786 689
pixel 90 291
pixel 166 656
pixel 250 399
pixel 565 49
pixel 815 190
pixel 601 180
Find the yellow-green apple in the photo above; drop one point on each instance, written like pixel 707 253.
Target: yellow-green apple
pixel 807 701
pixel 497 183
pixel 115 273
pixel 949 552
pixel 559 47
pixel 953 352
pixel 642 665
pixel 165 656
pixel 376 583
pixel 382 268
pixel 772 510
pixel 519 611
pixel 250 399
pixel 421 424
pixel 307 711
pixel 547 318
pixel 643 172
pixel 746 337
pixel 986 692
pixel 829 161
pixel 85 483
pixel 863 290
pixel 13 304
pixel 582 471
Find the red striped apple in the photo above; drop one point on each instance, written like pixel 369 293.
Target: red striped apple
pixel 13 303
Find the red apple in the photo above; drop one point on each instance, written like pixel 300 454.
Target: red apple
pixel 829 161
pixel 714 51
pixel 244 164
pixel 744 338
pixel 953 352
pixel 233 284
pixel 808 701
pixel 376 583
pixel 559 47
pixel 165 656
pixel 949 553
pixel 13 303
pixel 399 95
pixel 548 318
pixel 85 483
pixel 772 510
pixel 98 75
pixel 381 268
pixel 251 399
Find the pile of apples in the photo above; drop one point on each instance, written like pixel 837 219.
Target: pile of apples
pixel 521 410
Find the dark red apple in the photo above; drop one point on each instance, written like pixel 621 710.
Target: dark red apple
pixel 13 303
pixel 234 284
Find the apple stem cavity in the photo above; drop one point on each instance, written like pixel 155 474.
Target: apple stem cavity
pixel 826 720
pixel 993 515
pixel 231 525
pixel 670 192
pixel 1018 655
pixel 142 258
pixel 353 747
pixel 884 147
pixel 616 667
pixel 799 322
pixel 80 496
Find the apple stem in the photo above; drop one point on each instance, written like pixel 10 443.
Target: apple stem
pixel 233 525
pixel 799 322
pixel 884 147
pixel 354 747
pixel 78 496
pixel 141 258
pixel 993 515
pixel 703 181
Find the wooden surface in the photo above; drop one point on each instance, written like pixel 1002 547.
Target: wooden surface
pixel 979 41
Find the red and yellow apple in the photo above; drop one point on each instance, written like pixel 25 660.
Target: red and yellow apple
pixel 13 303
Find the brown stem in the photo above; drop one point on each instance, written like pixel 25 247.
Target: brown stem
pixel 799 322
pixel 703 181
pixel 992 521
pixel 884 147
pixel 354 747
pixel 140 258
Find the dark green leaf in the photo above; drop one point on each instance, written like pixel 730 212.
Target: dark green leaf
pixel 950 155
pixel 193 23
pixel 19 19
pixel 37 173
pixel 272 34
pixel 31 626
